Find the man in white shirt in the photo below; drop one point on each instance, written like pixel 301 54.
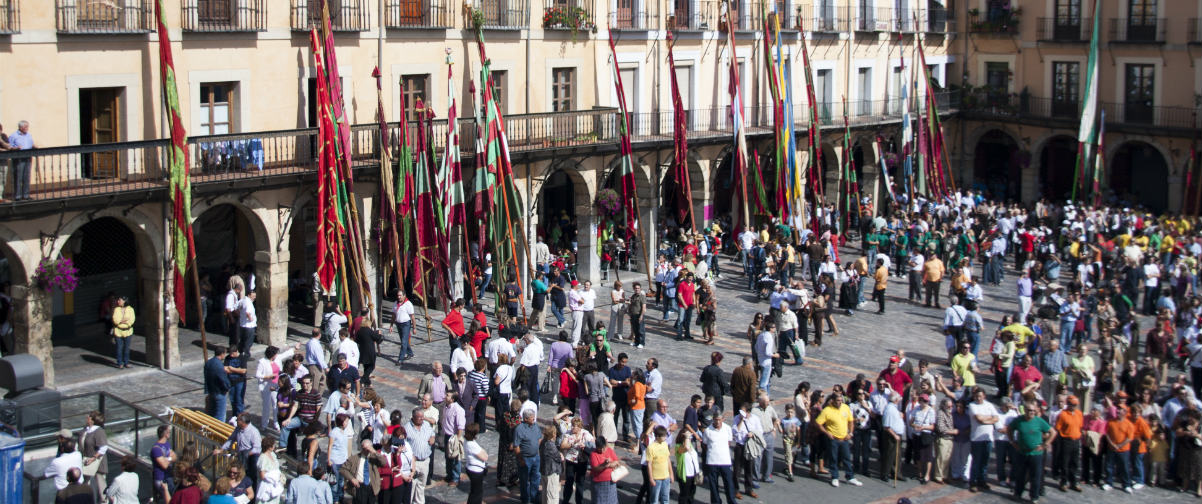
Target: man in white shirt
pixel 984 416
pixel 588 303
pixel 770 423
pixel 331 324
pixel 717 438
pixel 765 352
pixel 497 346
pixel 893 431
pixel 531 358
pixel 746 426
pixel 247 322
pixel 347 346
pixel 230 321
pixel 402 316
pixel 915 263
pixel 575 304
pixel 746 242
pixel 70 458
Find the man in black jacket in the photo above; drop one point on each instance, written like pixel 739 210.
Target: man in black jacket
pixel 714 381
pixel 368 340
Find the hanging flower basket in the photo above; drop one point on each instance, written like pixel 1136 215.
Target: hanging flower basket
pixel 58 274
pixel 609 204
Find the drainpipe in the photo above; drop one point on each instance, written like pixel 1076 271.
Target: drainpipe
pixel 380 40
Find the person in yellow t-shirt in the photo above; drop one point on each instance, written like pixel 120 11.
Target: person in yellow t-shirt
pixel 964 365
pixel 659 465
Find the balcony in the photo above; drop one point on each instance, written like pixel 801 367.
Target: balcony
pixel 104 17
pixel 345 15
pixel 1001 22
pixel 1138 31
pixel 699 15
pixel 417 14
pixel 501 15
pixel 1064 30
pixel 873 20
pixel 10 17
pixel 1194 29
pixel 899 21
pixel 829 20
pixel 218 16
pixel 632 17
pixel 937 21
pixel 219 161
pixel 991 105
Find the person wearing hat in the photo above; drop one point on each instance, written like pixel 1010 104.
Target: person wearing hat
pixel 123 329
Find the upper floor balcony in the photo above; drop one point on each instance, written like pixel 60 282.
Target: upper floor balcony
pixel 633 15
pixel 1064 29
pixel 217 161
pixel 10 17
pixel 104 17
pixel 501 15
pixel 345 15
pixel 995 21
pixel 873 20
pixel 827 19
pixel 697 15
pixel 417 14
pixel 1138 30
pixel 215 16
pixel 937 20
pixel 994 105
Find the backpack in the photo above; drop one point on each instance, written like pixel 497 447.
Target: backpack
pixel 971 324
pixel 326 335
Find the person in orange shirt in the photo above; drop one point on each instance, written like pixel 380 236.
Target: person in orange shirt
pixel 932 274
pixel 882 281
pixel 1067 447
pixel 1120 433
pixel 1143 434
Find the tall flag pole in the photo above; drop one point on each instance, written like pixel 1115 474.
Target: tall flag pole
pixel 736 113
pixel 680 147
pixel 907 134
pixel 773 64
pixel 849 168
pixel 630 196
pixel 183 249
pixel 390 241
pixel 329 226
pixel 1087 133
pixel 815 137
pixel 452 166
pixel 1100 162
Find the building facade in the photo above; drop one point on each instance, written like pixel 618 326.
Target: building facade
pixel 1007 76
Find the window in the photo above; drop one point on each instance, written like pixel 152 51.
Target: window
pixel 1139 93
pixel 933 73
pixel 997 80
pixel 864 82
pixel 895 103
pixel 998 11
pixel 499 81
pixel 823 92
pixel 629 88
pixel 1141 20
pixel 214 11
pixel 1066 99
pixel 216 101
pixel 413 88
pixel 684 81
pixel 1068 20
pixel 563 86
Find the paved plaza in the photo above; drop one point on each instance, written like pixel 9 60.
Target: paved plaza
pixel 864 344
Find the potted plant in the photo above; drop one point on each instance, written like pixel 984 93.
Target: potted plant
pixel 58 274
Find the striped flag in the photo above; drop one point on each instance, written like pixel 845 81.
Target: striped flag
pixel 183 250
pixel 329 225
pixel 736 113
pixel 907 135
pixel 815 138
pixel 625 151
pixel 452 168
pixel 1099 165
pixel 1087 133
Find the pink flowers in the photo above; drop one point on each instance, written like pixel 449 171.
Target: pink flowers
pixel 58 273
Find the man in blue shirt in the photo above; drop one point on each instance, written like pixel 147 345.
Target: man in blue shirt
pixel 217 384
pixel 21 140
pixel 526 438
pixel 235 370
pixel 308 489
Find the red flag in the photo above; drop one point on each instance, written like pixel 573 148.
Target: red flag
pixel 329 244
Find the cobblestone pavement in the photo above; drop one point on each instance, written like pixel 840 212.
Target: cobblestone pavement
pixel 863 345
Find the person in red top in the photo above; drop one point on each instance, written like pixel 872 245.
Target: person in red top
pixel 686 300
pixel 1027 245
pixel 602 461
pixel 479 336
pixel 1024 373
pixel 453 323
pixel 1120 432
pixel 897 379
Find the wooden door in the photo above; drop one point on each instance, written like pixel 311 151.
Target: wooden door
pixel 684 18
pixel 411 13
pixel 1141 20
pixel 103 121
pixel 625 14
pixel 1139 93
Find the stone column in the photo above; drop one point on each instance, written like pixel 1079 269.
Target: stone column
pixel 700 193
pixel 152 297
pixel 31 326
pixel 588 265
pixel 272 303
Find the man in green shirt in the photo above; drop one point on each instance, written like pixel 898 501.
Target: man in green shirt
pixel 1031 436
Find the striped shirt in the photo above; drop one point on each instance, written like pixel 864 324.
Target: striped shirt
pixel 479 382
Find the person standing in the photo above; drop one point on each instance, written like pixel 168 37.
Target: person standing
pixel 771 424
pixel 588 303
pixel 217 384
pixel 766 353
pixel 576 306
pixel 530 358
pixel 882 281
pixel 235 367
pixel 1031 437
pixel 836 422
pixel 315 361
pixel 717 438
pixel 551 465
pixel 124 489
pixel 932 274
pixel 748 444
pixel 686 304
pixel 617 310
pixel 248 321
pixel 402 317
pixel 659 465
pixel 538 301
pixel 526 438
pixel 893 431
pixel 636 307
pixel 361 471
pixel 21 140
pixel 94 446
pixel 713 380
pixel 161 458
pixel 983 415
pixel 1026 291
pixel 246 440
pixel 123 330
pixel 305 488
pixel 267 371
pixel 420 435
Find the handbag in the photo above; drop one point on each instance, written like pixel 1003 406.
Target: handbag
pixel 618 473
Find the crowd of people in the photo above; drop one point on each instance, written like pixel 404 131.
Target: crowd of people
pixel 1092 380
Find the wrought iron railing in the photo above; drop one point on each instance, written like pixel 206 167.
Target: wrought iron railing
pixel 1138 31
pixel 63 172
pixel 10 17
pixel 938 20
pixel 634 15
pixel 345 15
pixel 574 15
pixel 417 14
pixel 104 17
pixel 998 22
pixel 999 105
pixel 504 14
pixel 697 15
pixel 873 20
pixel 224 15
pixel 827 20
pixel 1064 29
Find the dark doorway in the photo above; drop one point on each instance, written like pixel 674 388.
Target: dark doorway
pixel 997 166
pixel 1139 176
pixel 1057 165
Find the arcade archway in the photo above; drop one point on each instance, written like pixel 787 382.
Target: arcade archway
pixel 557 218
pixel 226 242
pixel 997 166
pixel 1057 161
pixel 1139 176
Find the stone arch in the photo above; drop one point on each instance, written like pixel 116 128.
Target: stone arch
pixel 721 189
pixel 20 262
pixel 15 271
pixel 145 230
pixel 1056 155
pixel 665 188
pixel 997 164
pixel 246 206
pixel 1150 186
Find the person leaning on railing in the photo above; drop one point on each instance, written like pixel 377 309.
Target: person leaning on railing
pixel 21 140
